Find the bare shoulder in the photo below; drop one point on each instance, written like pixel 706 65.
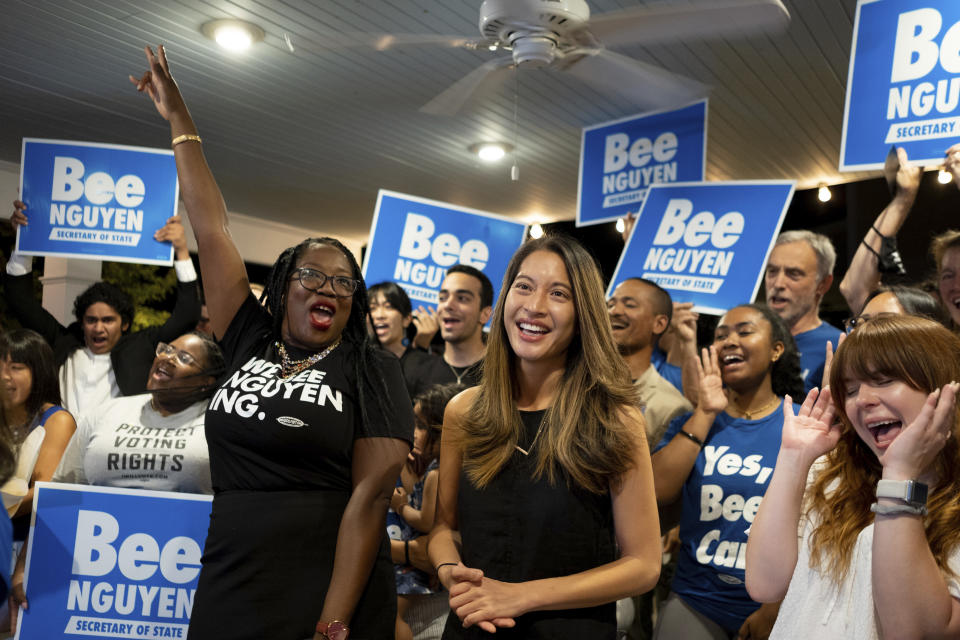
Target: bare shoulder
pixel 460 404
pixel 60 420
pixel 631 418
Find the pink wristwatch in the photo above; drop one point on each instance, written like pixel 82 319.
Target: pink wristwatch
pixel 334 630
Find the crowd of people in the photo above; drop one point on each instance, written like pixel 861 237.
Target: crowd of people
pixel 541 479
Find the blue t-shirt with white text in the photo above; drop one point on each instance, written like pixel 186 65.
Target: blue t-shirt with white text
pixel 721 497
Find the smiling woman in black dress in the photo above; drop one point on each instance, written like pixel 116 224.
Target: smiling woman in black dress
pixel 306 435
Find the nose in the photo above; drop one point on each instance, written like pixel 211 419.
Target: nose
pixel 729 340
pixel 867 396
pixel 535 302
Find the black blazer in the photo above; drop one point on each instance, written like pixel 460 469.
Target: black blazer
pixel 133 354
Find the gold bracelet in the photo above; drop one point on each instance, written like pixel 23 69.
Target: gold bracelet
pixel 187 137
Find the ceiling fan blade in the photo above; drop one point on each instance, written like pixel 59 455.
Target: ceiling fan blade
pixel 668 22
pixel 480 80
pixel 647 86
pixel 385 41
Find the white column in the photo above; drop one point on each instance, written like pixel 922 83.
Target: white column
pixel 63 280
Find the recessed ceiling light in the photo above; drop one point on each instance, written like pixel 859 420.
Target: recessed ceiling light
pixel 233 35
pixel 490 151
pixel 943 177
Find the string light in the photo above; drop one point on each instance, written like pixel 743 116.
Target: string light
pixel 824 193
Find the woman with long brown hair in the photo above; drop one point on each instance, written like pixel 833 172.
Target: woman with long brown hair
pixel 879 550
pixel 544 468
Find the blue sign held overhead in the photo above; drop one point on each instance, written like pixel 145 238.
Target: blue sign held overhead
pixel 707 242
pixel 112 563
pixel 96 201
pixel 903 87
pixel 620 160
pixel 414 241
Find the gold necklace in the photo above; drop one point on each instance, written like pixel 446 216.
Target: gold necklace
pixel 289 367
pixel 748 414
pixel 527 451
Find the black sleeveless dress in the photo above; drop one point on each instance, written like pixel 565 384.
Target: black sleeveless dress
pixel 518 529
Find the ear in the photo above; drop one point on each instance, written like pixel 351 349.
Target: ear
pixel 407 320
pixel 824 285
pixel 778 350
pixel 660 324
pixel 485 314
pixel 124 327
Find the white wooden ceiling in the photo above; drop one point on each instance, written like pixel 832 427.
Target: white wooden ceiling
pixel 307 138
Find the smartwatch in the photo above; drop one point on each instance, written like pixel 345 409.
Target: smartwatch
pixel 910 491
pixel 334 630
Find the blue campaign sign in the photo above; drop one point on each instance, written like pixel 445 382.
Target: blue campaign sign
pixel 620 160
pixel 112 563
pixel 414 241
pixel 706 242
pixel 96 201
pixel 903 87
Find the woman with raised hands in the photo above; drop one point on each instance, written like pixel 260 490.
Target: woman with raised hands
pixel 544 467
pixel 874 498
pixel 718 459
pixel 306 436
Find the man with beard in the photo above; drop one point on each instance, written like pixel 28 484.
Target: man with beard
pixel 798 274
pixel 464 305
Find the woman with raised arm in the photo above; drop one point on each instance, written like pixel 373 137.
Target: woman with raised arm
pixel 544 467
pixel 306 436
pixel 719 460
pixel 877 514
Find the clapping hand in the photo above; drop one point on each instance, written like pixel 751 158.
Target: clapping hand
pixel 712 397
pixel 427 324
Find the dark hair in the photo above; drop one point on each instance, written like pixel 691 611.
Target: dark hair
pixel 433 402
pixel 486 287
pixel 662 302
pixel 785 372
pixel 393 294
pixel 215 365
pixel 367 364
pixel 915 302
pixel 8 456
pixel 28 347
pixel 104 292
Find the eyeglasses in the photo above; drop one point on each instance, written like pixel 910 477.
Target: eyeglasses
pixel 313 280
pixel 184 358
pixel 856 321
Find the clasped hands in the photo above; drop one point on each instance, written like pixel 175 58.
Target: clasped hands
pixel 478 600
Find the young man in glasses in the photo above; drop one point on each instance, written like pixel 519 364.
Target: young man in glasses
pixel 97 356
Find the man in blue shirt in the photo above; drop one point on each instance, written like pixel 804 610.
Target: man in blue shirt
pixel 798 274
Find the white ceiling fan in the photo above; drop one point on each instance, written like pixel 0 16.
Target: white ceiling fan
pixel 562 35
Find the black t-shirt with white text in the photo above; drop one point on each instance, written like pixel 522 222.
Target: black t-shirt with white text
pixel 265 433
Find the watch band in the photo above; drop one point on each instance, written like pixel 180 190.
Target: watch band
pixel 910 491
pixel 895 509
